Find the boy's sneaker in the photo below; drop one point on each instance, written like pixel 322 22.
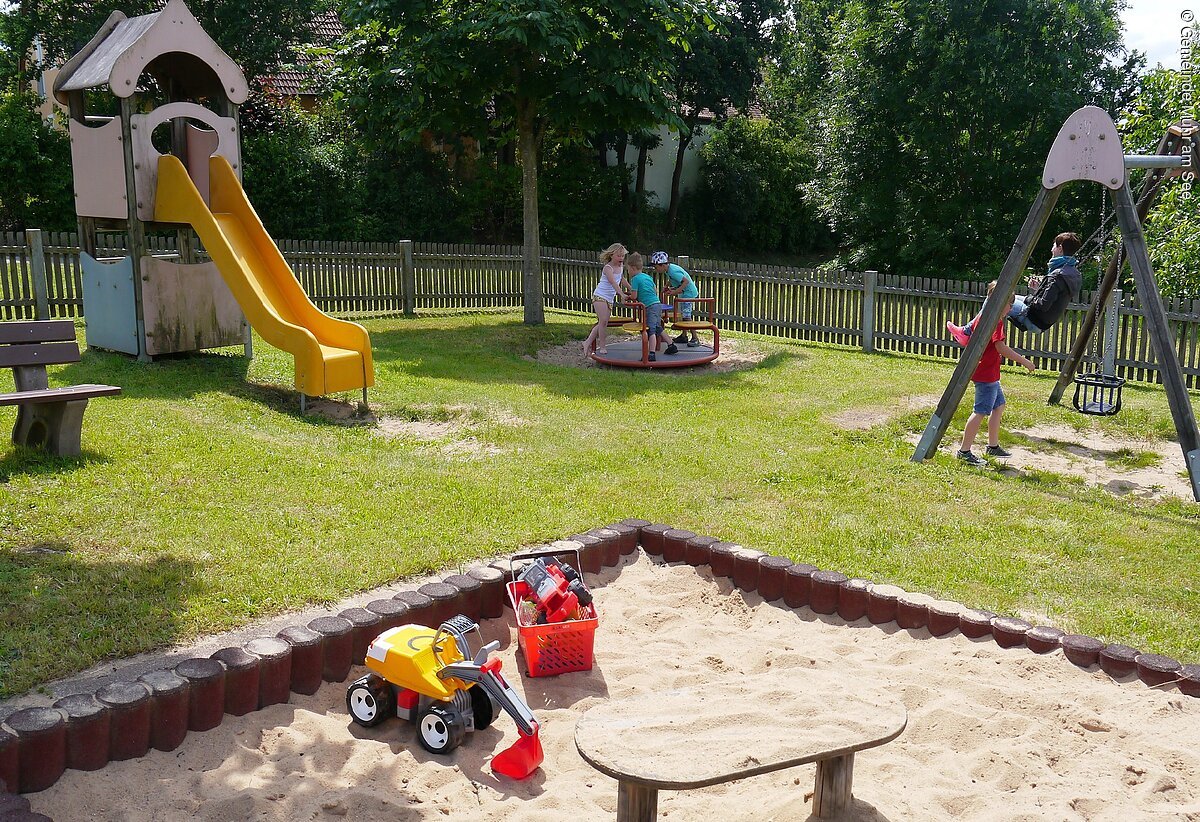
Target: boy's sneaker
pixel 681 338
pixel 971 459
pixel 653 358
pixel 693 344
pixel 672 349
pixel 957 334
pixel 997 451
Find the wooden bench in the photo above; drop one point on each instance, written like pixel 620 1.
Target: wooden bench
pixel 47 418
pixel 695 737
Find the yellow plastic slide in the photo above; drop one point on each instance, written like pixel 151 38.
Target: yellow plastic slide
pixel 331 355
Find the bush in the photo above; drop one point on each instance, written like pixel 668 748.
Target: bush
pixel 35 168
pixel 750 194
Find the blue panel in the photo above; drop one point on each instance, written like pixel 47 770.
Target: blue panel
pixel 108 307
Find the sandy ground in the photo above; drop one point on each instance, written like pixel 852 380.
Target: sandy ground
pixel 735 355
pixel 992 734
pixel 1091 455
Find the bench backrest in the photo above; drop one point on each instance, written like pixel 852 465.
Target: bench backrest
pixel 37 342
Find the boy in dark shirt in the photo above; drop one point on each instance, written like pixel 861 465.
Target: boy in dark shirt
pixel 1051 294
pixel 989 398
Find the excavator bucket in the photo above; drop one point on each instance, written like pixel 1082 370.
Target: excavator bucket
pixel 522 759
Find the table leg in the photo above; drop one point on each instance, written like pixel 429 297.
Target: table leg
pixel 832 793
pixel 636 803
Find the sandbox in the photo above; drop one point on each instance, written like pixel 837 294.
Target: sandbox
pixel 993 732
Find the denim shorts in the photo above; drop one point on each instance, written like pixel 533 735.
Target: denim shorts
pixel 685 310
pixel 654 323
pixel 988 397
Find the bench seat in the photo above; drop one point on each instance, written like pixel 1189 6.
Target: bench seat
pixel 70 393
pixel 47 418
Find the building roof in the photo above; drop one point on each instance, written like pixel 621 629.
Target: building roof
pixel 326 29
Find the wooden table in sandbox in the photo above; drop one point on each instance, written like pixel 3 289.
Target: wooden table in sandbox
pixel 695 737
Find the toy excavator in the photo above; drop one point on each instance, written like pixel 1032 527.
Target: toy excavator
pixel 431 678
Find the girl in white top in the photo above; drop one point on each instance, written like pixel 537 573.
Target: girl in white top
pixel 612 282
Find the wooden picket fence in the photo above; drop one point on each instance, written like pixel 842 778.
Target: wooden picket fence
pixel 868 310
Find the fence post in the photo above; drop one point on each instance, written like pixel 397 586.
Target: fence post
pixel 1112 322
pixel 870 281
pixel 408 278
pixel 37 271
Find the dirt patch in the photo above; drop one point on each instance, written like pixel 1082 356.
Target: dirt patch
pixel 1148 469
pixel 454 437
pixel 424 430
pixel 735 356
pixel 860 419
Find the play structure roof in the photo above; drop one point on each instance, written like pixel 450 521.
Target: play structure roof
pixel 171 44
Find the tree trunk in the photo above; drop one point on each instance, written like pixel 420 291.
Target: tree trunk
pixel 673 209
pixel 622 148
pixel 639 185
pixel 531 258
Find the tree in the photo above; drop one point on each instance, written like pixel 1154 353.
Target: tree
pixel 530 66
pixel 35 168
pixel 1173 224
pixel 937 115
pixel 719 71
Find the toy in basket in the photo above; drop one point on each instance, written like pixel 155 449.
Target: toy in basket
pixel 556 618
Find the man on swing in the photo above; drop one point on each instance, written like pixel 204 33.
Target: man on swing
pixel 1051 294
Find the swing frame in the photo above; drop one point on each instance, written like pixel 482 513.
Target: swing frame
pixel 1088 147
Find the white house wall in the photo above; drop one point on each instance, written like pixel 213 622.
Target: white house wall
pixel 661 164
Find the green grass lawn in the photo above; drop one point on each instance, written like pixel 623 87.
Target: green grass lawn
pixel 203 500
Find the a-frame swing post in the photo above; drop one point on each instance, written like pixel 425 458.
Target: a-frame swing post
pixel 1160 334
pixel 994 308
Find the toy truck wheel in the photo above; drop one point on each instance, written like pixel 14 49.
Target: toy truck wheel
pixel 483 706
pixel 370 700
pixel 440 729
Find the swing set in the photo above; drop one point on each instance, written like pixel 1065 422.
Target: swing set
pixel 1088 148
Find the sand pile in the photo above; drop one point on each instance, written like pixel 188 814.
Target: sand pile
pixel 992 733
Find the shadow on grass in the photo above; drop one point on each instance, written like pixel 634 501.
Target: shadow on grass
pixel 24 461
pixel 65 608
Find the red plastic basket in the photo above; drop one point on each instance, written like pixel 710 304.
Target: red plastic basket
pixel 556 648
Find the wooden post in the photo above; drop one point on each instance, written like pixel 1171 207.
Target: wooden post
pixel 1112 324
pixel 408 278
pixel 833 790
pixel 993 309
pixel 870 283
pixel 135 229
pixel 1160 333
pixel 37 271
pixel 636 802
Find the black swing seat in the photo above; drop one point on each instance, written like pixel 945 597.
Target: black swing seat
pixel 1097 394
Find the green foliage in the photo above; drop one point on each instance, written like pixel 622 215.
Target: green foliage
pixel 751 190
pixel 937 115
pixel 1173 224
pixel 312 178
pixel 578 198
pixel 35 168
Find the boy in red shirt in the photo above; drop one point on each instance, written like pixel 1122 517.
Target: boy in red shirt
pixel 989 398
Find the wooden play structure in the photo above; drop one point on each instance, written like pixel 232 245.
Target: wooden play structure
pixel 176 87
pixel 1088 148
pixel 636 353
